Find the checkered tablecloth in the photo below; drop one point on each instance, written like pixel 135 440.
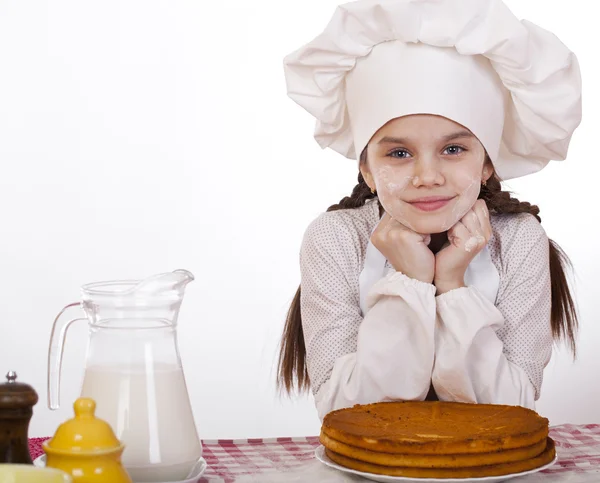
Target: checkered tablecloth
pixel 578 448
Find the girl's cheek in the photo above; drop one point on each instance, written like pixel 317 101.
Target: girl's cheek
pixel 464 202
pixel 391 184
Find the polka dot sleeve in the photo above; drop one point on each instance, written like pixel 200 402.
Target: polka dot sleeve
pixel 525 295
pixel 330 261
pixel 354 358
pixel 488 353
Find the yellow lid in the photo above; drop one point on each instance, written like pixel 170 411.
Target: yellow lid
pixel 84 433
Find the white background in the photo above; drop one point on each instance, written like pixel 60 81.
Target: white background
pixel 138 137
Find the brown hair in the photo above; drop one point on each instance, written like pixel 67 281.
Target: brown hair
pixel 292 371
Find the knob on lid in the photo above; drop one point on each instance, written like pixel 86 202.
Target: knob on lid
pixel 16 395
pixel 84 433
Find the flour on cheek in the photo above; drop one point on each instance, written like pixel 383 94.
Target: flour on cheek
pixel 464 202
pixel 391 186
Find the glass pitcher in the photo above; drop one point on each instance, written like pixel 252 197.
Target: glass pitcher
pixel 133 371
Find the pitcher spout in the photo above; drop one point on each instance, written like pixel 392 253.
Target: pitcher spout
pixel 186 276
pixel 163 283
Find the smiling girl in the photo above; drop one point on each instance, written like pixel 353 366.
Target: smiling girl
pixel 429 281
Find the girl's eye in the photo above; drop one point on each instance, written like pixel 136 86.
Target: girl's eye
pixel 454 150
pixel 399 153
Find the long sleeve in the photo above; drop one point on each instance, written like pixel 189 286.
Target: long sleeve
pixel 488 353
pixel 385 355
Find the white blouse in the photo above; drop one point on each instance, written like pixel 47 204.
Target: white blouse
pixel 460 343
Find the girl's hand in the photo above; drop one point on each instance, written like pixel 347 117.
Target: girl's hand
pixel 467 238
pixel 406 250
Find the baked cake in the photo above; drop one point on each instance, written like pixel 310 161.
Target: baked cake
pixel 433 439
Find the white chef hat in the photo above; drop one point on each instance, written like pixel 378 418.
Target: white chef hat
pixel 516 86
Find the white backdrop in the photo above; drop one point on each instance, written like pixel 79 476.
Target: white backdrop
pixel 138 137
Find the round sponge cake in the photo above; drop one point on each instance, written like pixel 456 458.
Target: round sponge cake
pixel 435 427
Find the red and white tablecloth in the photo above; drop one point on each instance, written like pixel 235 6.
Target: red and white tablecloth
pixel 578 448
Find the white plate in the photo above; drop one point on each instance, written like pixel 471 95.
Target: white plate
pixel 322 457
pixel 196 472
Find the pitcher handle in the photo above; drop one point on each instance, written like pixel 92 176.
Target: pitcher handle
pixel 55 354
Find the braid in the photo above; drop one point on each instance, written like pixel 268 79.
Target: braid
pixel 501 202
pixel 360 194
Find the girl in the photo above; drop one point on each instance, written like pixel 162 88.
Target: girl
pixel 429 281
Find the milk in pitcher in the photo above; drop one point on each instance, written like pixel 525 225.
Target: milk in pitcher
pixel 145 408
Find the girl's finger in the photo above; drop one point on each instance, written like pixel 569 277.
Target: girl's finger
pixel 458 235
pixel 471 221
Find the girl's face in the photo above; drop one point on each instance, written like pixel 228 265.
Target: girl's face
pixel 427 171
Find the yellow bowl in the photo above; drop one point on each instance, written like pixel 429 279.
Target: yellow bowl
pixel 10 473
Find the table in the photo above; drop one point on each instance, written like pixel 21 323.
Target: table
pixel 292 459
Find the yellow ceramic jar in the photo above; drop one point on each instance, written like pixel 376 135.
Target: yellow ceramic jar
pixel 86 448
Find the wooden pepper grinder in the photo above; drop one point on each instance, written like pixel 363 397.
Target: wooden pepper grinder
pixel 16 408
